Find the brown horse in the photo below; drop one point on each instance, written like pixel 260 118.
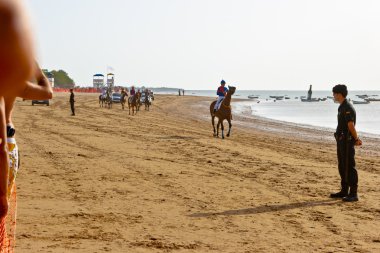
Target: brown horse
pixel 133 102
pixel 224 113
pixel 138 101
pixel 123 99
pixel 102 100
pixel 147 102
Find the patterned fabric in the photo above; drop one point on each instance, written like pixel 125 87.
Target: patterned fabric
pixel 8 223
pixel 13 163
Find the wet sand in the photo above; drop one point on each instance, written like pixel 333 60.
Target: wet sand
pixel 104 181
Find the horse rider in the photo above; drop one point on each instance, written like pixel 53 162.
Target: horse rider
pixel 133 91
pixel 221 92
pixel 146 94
pixel 124 92
pixel 103 93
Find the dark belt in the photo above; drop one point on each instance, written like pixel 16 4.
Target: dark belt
pixel 342 137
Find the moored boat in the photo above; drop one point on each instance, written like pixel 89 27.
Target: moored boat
pixel 357 102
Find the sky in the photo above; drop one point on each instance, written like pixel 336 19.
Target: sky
pixel 193 44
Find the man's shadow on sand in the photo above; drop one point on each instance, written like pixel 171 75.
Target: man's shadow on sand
pixel 269 208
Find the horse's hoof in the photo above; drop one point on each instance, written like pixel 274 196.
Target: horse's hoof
pixel 228 135
pixel 222 137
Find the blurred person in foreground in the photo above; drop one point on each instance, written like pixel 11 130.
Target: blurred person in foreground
pixel 17 65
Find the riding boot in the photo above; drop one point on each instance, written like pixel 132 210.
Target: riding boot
pixel 353 196
pixel 341 194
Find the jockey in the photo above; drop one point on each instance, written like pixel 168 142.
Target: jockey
pixel 123 93
pixel 146 91
pixel 133 92
pixel 221 92
pixel 103 93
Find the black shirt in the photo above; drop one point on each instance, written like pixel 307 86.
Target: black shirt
pixel 72 98
pixel 346 113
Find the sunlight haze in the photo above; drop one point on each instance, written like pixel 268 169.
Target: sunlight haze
pixel 254 45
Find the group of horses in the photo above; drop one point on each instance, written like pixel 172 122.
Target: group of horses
pixel 134 102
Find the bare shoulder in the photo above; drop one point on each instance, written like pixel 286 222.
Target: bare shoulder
pixel 16 44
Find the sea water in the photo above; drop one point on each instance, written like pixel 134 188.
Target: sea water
pixel 318 114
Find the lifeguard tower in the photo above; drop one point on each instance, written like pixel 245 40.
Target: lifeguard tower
pixel 110 81
pixel 98 81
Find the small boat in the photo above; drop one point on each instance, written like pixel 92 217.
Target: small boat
pixel 277 97
pixel 286 97
pixel 253 96
pixel 363 102
pixel 310 100
pixel 372 99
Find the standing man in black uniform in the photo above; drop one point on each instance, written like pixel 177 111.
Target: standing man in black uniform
pixel 72 101
pixel 346 138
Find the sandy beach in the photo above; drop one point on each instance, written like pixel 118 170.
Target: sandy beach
pixel 105 181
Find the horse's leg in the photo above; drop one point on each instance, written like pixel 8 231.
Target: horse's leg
pixel 129 108
pixel 217 128
pixel 213 124
pixel 222 129
pixel 229 127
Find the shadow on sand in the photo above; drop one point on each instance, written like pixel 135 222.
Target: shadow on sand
pixel 269 208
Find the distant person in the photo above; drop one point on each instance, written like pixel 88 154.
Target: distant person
pixel 72 101
pixel 104 93
pixel 221 92
pixel 133 91
pixel 346 138
pixel 179 92
pixel 124 92
pixel 183 92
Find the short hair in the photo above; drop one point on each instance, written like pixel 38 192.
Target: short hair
pixel 222 82
pixel 340 88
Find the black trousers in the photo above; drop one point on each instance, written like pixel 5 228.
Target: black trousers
pixel 346 164
pixel 72 108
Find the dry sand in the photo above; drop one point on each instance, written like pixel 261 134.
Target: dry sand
pixel 104 181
